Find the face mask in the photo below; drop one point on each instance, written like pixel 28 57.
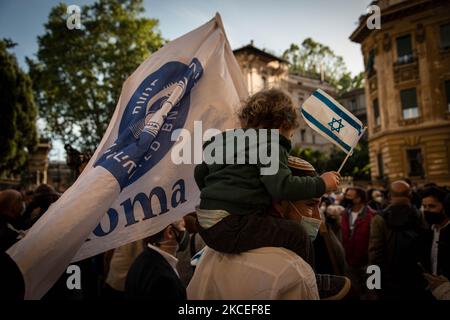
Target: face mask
pixel 433 217
pixel 378 199
pixel 311 225
pixel 347 203
pixel 170 245
pixel 182 238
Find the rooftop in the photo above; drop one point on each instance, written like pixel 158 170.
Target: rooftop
pixel 252 49
pixel 392 10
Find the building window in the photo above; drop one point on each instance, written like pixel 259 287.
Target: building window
pixel 409 103
pixel 313 138
pixel 445 36
pixel 447 93
pixel 380 166
pixel 370 66
pixel 302 135
pixel 415 167
pixel 265 84
pixel 376 113
pixel 404 50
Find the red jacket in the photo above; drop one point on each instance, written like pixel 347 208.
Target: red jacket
pixel 356 245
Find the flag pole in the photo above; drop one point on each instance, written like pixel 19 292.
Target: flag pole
pixel 351 150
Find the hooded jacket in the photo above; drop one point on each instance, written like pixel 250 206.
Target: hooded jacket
pixel 241 188
pixel 393 246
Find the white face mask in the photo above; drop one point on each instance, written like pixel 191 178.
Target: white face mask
pixel 311 225
pixel 378 199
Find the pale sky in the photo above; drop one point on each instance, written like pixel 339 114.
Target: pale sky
pixel 273 25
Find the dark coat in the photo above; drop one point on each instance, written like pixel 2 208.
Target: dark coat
pixel 241 189
pixel 393 246
pixel 12 284
pixel 443 267
pixel 329 255
pixel 151 277
pixel 7 236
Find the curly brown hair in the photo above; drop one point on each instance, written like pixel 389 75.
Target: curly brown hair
pixel 269 109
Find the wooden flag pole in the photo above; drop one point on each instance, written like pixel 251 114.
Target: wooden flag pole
pixel 351 150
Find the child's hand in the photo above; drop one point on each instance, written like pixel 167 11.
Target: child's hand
pixel 434 281
pixel 332 180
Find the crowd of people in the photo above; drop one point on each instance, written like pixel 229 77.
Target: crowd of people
pixel 291 235
pixel 402 229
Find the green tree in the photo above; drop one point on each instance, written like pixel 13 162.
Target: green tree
pixel 78 74
pixel 347 82
pixel 312 58
pixel 357 165
pixel 18 113
pixel 317 159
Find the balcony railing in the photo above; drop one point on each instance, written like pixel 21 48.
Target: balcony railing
pixel 406 59
pixel 406 71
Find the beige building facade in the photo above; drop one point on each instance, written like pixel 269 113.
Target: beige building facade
pixel 408 90
pixel 263 70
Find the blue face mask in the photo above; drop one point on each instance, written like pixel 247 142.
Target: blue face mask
pixel 311 225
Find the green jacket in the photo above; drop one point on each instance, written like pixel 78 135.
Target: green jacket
pixel 241 189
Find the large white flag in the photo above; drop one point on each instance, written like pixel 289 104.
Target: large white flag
pixel 132 188
pixel 333 121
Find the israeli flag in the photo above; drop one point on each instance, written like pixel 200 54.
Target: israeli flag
pixel 333 121
pixel 132 188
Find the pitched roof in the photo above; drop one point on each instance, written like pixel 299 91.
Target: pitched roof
pixel 252 49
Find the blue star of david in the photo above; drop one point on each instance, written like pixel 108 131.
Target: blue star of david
pixel 333 126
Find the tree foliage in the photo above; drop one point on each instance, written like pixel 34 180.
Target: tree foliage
pixel 78 74
pixel 347 82
pixel 357 165
pixel 313 58
pixel 18 113
pixel 317 159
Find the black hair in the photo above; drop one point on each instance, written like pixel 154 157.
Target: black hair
pixel 326 200
pixel 360 192
pixel 155 238
pixel 434 191
pixel 447 205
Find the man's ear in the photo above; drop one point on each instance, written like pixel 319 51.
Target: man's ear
pixel 169 234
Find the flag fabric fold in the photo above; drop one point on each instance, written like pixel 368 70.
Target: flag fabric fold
pixel 131 188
